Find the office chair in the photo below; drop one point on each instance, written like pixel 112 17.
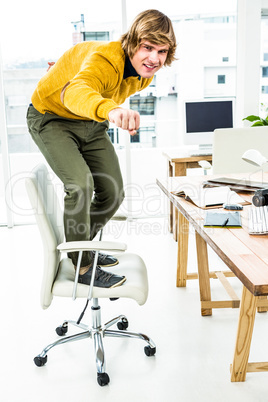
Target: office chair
pixel 60 279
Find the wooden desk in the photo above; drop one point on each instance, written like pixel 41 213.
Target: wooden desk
pixel 178 163
pixel 245 255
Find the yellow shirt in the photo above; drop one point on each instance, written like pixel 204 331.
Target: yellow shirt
pixel 92 75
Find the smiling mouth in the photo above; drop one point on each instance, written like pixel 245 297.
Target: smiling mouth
pixel 149 66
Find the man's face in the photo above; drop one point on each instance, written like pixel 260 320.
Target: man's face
pixel 149 58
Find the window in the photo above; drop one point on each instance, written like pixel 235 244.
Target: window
pixel 144 135
pixel 265 71
pixel 219 20
pixel 16 100
pixel 102 35
pixel 221 79
pixel 145 106
pixel 25 62
pixel 113 134
pixel 264 89
pixel 136 137
pixel 265 56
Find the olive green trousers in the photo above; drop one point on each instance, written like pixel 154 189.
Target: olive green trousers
pixel 82 156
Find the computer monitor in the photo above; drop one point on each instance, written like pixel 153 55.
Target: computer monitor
pixel 202 117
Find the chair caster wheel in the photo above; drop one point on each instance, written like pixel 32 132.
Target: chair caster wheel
pixel 103 379
pixel 62 330
pixel 149 351
pixel 40 361
pixel 122 324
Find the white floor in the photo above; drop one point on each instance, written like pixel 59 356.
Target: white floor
pixel 193 352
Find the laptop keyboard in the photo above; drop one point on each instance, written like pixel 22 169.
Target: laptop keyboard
pixel 258 220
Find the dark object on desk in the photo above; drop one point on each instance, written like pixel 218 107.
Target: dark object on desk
pixel 260 198
pixel 222 219
pixel 236 184
pixel 225 222
pixel 233 207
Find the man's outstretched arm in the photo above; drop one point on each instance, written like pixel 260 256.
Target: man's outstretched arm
pixel 126 119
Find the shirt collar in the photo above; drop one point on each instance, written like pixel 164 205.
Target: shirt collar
pixel 129 70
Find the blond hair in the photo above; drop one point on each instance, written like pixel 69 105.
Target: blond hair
pixel 154 26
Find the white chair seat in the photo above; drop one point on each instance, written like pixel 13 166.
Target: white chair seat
pixel 130 265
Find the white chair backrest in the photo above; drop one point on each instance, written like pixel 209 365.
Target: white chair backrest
pixel 229 144
pixel 49 219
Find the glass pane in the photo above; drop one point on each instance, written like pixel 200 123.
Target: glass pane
pixel 103 36
pixel 19 84
pixel 264 67
pixel 206 65
pixel 205 68
pixel 206 50
pixel 43 36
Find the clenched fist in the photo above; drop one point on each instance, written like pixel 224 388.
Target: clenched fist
pixel 126 119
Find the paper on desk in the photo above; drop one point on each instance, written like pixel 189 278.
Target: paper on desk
pixel 212 197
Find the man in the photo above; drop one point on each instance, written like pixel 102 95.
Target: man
pixel 69 117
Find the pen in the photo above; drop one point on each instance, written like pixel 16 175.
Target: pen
pixel 225 222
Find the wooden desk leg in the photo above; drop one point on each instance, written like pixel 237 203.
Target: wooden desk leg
pixel 183 238
pixel 203 273
pixel 171 212
pixel 177 169
pixel 244 335
pixel 175 218
pixel 262 309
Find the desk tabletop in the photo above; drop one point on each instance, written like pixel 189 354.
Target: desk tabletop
pixel 246 255
pixel 184 155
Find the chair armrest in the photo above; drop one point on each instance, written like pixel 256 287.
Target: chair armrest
pixel 205 164
pixel 91 245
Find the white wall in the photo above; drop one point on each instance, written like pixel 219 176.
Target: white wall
pixel 212 88
pixel 167 133
pixel 190 35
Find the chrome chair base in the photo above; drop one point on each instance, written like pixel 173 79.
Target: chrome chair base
pixel 97 332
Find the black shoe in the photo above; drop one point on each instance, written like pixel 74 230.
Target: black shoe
pixel 105 260
pixel 103 279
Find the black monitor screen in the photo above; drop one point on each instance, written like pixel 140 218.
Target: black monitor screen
pixel 207 116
